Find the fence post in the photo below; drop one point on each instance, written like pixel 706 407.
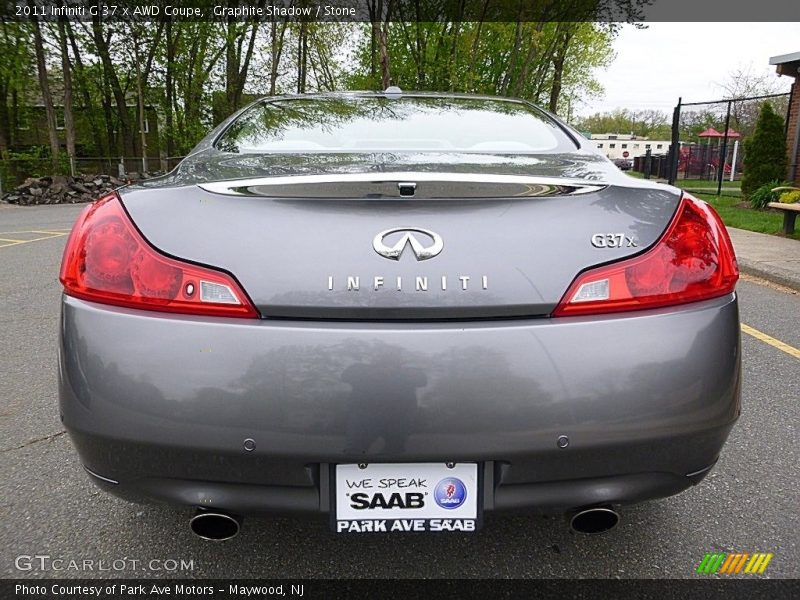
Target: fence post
pixel 733 160
pixel 723 153
pixel 674 148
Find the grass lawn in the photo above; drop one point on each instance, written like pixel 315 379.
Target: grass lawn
pixel 704 186
pixel 762 221
pixel 729 188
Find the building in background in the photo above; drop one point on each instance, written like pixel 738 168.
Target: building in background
pixel 623 145
pixel 789 65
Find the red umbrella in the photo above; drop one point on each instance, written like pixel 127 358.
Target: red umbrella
pixel 711 133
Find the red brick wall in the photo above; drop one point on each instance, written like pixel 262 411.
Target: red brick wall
pixel 794 115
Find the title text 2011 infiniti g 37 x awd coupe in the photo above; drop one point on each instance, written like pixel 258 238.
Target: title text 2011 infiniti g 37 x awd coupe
pixel 400 310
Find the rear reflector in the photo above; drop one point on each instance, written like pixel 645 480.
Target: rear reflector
pixel 107 260
pixel 693 260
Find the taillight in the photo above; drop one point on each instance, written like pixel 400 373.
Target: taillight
pixel 107 260
pixel 693 260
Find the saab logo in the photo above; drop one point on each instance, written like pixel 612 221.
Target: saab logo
pixel 727 563
pixel 450 493
pixel 362 501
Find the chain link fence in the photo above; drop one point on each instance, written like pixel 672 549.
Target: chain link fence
pixel 708 139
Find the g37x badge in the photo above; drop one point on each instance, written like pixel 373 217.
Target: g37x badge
pixel 613 240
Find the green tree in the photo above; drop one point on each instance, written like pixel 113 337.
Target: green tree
pixel 16 61
pixel 764 151
pixel 550 63
pixel 654 124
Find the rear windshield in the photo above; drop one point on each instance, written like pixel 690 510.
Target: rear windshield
pixel 380 124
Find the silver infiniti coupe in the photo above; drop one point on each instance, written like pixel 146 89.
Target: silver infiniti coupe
pixel 399 310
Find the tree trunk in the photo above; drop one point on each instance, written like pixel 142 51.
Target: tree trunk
pixel 233 56
pixel 513 57
pixel 276 38
pixel 558 69
pixel 88 103
pixel 237 65
pixel 453 62
pixel 14 117
pixel 302 62
pixel 110 73
pixel 140 103
pixel 386 79
pixel 66 68
pixel 373 38
pixel 47 98
pixel 421 49
pixel 5 121
pixel 169 83
pixel 474 53
pixel 519 85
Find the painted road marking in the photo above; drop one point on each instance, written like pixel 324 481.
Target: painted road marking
pixel 763 337
pixel 43 235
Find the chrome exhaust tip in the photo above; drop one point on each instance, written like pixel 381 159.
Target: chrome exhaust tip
pixel 215 526
pixel 597 519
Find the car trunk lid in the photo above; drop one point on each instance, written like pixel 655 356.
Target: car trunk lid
pixel 403 245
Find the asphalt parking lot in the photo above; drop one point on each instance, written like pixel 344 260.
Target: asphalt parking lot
pixel 749 503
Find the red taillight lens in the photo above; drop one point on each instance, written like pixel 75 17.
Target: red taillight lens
pixel 693 260
pixel 107 260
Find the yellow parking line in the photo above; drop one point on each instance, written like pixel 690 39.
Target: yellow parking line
pixel 39 239
pixel 48 231
pixel 763 337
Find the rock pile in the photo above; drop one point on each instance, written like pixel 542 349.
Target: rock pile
pixel 64 189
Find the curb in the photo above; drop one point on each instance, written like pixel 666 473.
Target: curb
pixel 752 268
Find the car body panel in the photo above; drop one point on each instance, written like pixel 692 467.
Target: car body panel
pixel 148 396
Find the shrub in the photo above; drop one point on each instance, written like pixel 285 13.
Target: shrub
pixel 764 195
pixel 36 162
pixel 764 152
pixel 790 197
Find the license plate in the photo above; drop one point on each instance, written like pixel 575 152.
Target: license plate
pixel 406 497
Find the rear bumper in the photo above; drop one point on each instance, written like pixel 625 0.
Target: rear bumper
pixel 162 405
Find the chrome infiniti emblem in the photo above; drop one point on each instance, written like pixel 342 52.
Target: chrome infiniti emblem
pixel 408 239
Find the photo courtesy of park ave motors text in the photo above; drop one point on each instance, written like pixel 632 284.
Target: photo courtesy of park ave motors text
pixel 387 289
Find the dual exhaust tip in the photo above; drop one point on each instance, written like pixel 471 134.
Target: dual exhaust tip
pixel 214 525
pixel 219 526
pixel 594 520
